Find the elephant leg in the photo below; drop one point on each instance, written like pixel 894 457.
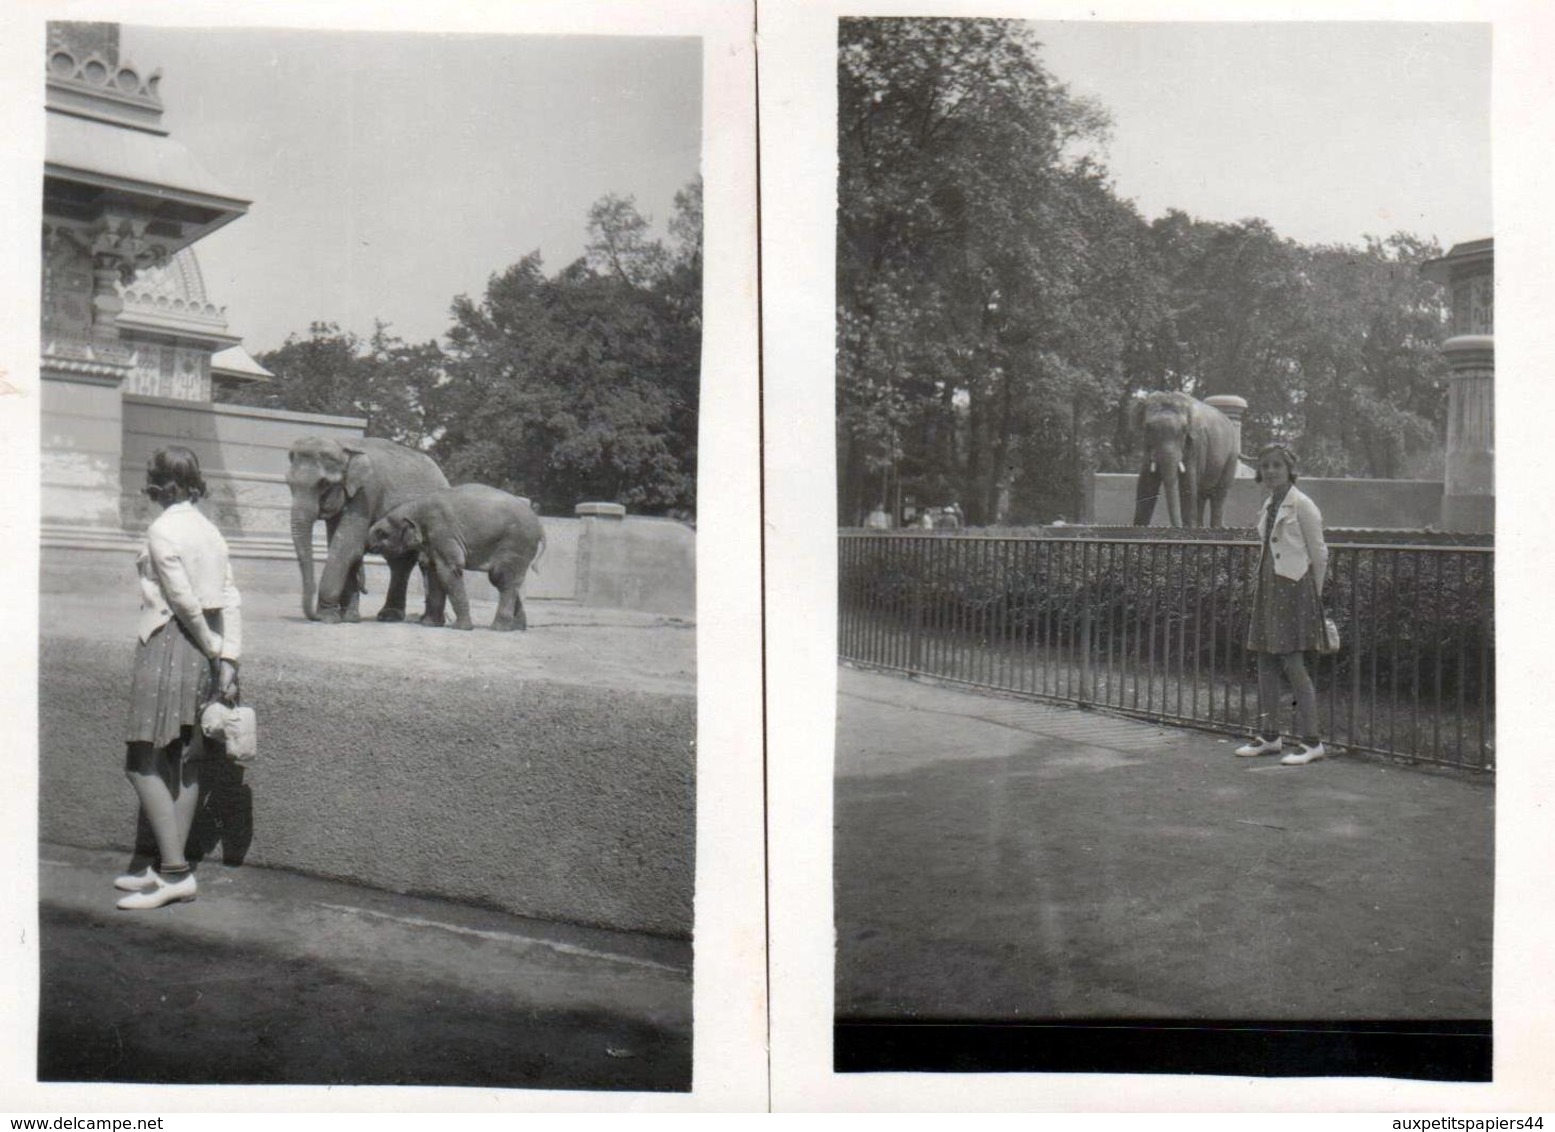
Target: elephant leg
pixel 351 612
pixel 1217 498
pixel 340 590
pixel 451 579
pixel 509 605
pixel 437 598
pixel 429 587
pixel 399 578
pixel 1145 494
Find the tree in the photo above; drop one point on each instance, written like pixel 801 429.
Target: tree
pixel 584 385
pixel 383 379
pixel 619 244
pixel 1000 308
pixel 1372 378
pixel 958 194
pixel 579 386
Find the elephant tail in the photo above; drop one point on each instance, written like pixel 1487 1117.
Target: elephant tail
pixel 539 554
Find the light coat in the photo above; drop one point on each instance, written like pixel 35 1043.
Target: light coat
pixel 184 570
pixel 1297 540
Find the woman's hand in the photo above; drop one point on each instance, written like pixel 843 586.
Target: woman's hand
pixel 227 683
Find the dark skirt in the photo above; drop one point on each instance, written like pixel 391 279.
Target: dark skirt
pixel 169 685
pixel 1287 615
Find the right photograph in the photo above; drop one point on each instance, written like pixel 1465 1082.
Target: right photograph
pixel 1165 397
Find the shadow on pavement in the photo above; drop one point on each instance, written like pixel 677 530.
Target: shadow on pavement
pixel 275 978
pixel 123 1001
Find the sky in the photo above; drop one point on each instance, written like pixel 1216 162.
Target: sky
pixel 1329 131
pixel 390 172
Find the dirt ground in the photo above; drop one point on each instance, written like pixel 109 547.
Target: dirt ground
pixel 601 648
pixel 998 859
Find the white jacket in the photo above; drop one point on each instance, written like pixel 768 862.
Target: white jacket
pixel 1297 540
pixel 184 570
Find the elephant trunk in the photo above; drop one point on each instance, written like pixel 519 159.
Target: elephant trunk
pixel 302 539
pixel 1193 511
pixel 1172 490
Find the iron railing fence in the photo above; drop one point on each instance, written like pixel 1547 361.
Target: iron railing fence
pixel 1157 627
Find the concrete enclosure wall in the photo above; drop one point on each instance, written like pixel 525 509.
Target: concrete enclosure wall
pixel 552 800
pixel 97 440
pixel 81 426
pixel 83 559
pixel 242 452
pixel 1366 504
pixel 638 563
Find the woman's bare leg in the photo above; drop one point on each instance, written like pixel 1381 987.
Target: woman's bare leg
pixel 150 776
pixel 186 799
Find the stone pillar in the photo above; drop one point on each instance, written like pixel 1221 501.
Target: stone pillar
pixel 1233 406
pixel 1469 495
pixel 83 364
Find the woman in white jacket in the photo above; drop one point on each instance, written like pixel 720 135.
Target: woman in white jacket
pixel 191 626
pixel 1287 618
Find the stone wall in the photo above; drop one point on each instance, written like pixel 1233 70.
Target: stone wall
pixel 95 511
pixel 1368 504
pixel 494 787
pixel 242 452
pixel 81 426
pixel 638 563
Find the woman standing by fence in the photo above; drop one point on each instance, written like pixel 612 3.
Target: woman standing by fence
pixel 1287 617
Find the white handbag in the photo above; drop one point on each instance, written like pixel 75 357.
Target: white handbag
pixel 235 727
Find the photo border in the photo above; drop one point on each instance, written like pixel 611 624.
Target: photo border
pixel 729 1028
pixel 799 163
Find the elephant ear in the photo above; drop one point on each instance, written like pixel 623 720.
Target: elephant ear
pixel 359 469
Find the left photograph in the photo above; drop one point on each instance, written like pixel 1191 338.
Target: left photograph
pixel 370 377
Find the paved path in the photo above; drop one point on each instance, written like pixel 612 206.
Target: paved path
pixel 1004 859
pixel 271 977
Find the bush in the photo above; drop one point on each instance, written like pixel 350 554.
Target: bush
pixel 1406 613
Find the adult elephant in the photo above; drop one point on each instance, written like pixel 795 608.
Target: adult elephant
pixel 1190 456
pixel 351 484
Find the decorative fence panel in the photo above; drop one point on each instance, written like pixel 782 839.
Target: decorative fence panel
pixel 1157 628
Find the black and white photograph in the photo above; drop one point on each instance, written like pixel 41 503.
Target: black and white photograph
pixel 672 556
pixel 1174 644
pixel 1165 480
pixel 369 395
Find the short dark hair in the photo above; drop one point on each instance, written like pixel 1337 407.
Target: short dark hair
pixel 173 474
pixel 1281 451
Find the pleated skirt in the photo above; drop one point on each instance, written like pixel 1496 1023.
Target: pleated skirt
pixel 168 686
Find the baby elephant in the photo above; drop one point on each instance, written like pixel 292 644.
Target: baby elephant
pixel 471 527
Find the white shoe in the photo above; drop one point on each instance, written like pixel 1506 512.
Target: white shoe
pixel 1305 755
pixel 159 894
pixel 1257 746
pixel 136 882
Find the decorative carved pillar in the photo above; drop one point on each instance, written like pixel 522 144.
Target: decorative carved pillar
pixel 1469 495
pixel 1233 406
